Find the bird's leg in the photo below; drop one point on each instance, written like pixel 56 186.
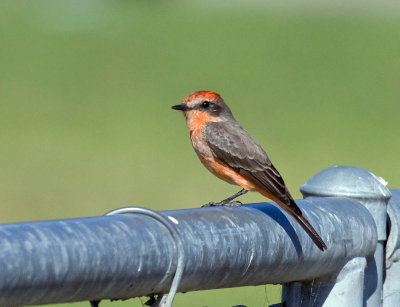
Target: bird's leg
pixel 228 201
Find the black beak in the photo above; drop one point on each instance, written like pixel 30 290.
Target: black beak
pixel 180 107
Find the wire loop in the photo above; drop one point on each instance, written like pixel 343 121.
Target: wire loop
pixel 166 300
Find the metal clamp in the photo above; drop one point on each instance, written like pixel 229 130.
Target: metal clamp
pixel 165 300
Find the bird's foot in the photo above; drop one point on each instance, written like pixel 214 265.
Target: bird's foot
pixel 234 203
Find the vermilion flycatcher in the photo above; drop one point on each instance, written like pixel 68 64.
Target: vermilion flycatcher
pixel 231 154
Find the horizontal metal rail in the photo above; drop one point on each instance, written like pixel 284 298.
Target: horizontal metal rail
pixel 133 255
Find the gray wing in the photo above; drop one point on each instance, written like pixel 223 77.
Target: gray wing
pixel 235 147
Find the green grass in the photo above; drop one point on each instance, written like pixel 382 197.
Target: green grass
pixel 86 90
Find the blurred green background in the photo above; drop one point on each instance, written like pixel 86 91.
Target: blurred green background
pixel 86 89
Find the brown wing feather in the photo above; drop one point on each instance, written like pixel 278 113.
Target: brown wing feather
pixel 231 144
pixel 235 147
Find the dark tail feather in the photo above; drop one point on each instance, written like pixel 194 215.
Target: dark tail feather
pixel 295 211
pixel 311 231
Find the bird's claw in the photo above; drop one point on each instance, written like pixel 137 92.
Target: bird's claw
pixel 210 204
pixel 222 204
pixel 234 203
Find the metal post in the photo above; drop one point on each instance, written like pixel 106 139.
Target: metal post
pixel 370 191
pixel 391 286
pixel 339 289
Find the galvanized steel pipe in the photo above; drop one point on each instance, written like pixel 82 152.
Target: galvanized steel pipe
pixel 125 256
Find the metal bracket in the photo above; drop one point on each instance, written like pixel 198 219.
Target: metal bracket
pixel 166 300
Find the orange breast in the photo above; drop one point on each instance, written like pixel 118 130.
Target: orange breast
pixel 213 164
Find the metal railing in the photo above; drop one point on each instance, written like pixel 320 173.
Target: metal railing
pixel 129 255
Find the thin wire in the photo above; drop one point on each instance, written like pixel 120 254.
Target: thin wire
pixel 166 300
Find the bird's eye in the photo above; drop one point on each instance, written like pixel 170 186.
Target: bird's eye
pixel 205 104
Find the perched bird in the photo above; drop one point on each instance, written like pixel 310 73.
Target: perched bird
pixel 230 153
